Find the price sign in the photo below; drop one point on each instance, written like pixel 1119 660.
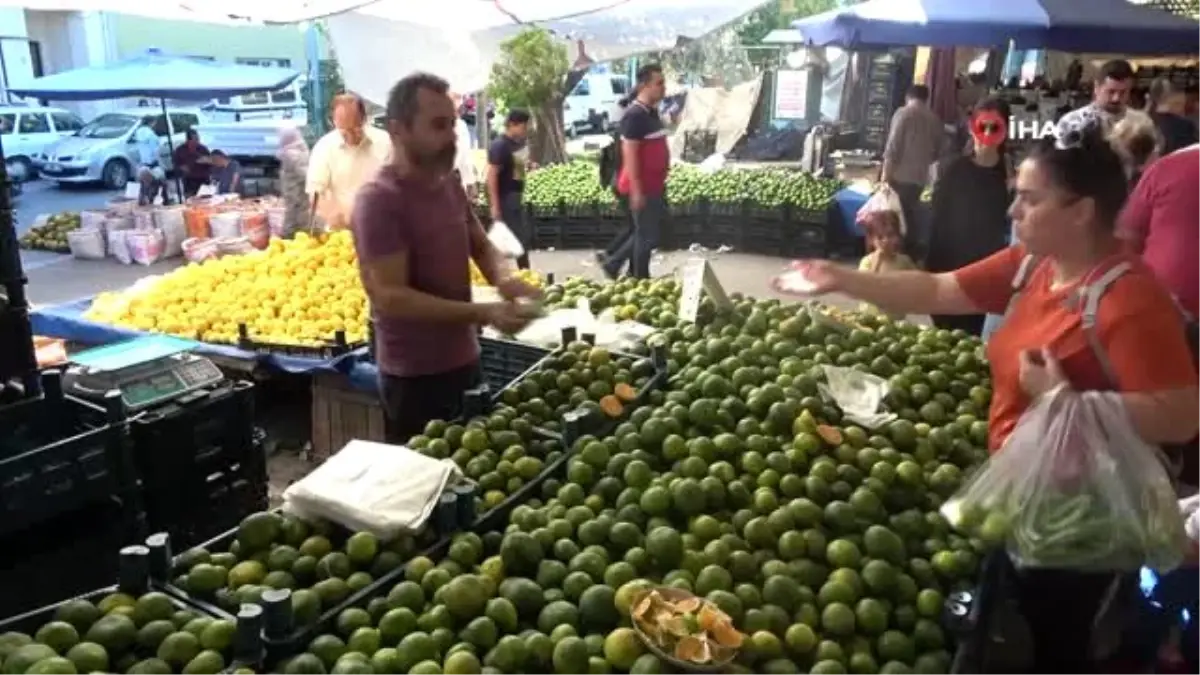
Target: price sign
pixel 699 280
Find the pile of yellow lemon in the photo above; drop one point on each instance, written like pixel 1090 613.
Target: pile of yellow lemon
pixel 296 292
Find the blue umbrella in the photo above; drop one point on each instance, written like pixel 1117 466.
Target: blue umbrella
pixel 1067 25
pixel 155 74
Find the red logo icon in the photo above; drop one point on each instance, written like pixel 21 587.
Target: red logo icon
pixel 989 128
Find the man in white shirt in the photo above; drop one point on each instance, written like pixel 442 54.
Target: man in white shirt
pixel 464 160
pixel 150 174
pixel 345 159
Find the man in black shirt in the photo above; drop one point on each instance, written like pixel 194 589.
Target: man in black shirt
pixel 508 159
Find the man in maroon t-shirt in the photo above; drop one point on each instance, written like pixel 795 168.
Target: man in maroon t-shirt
pixel 645 160
pixel 415 232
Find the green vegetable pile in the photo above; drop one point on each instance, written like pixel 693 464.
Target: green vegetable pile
pixel 577 183
pixel 572 184
pixel 767 188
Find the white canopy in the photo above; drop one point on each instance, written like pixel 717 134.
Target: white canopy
pixel 378 42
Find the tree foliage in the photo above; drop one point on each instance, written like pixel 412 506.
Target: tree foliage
pixel 529 73
pixel 329 72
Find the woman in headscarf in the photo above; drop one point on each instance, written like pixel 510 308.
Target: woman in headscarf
pixel 293 170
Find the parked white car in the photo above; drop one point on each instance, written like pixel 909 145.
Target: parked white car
pixel 593 104
pixel 104 150
pixel 26 130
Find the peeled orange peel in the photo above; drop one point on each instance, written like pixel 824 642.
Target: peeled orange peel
pixel 690 629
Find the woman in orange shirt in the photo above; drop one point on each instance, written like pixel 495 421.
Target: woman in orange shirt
pixel 1069 193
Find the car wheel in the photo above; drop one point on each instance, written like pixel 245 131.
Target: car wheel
pixel 116 174
pixel 21 169
pixel 600 123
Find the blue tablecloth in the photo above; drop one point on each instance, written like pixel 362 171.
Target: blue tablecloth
pixel 849 201
pixel 364 375
pixel 66 321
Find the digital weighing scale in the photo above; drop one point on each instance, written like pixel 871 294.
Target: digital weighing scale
pixel 147 371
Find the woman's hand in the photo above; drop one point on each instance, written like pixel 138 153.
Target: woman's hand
pixel 1040 372
pixel 821 275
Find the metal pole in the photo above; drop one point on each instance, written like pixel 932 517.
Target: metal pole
pixel 171 147
pixel 312 49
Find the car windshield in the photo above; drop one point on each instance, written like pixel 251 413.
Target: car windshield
pixel 109 125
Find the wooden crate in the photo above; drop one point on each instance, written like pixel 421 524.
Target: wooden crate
pixel 341 413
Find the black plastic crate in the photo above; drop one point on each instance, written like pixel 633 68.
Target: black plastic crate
pixel 330 350
pixel 588 233
pixel 803 216
pixel 724 230
pixel 59 454
pixel 543 230
pixel 201 462
pixel 808 241
pixel 31 620
pixel 10 251
pixel 18 357
pixel 64 556
pixel 503 361
pixel 766 237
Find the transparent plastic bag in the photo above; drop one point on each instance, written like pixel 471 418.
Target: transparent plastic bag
pixel 883 199
pixel 1074 487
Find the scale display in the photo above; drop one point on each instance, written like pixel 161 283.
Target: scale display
pixel 146 371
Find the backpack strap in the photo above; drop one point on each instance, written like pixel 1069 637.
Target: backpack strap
pixel 1024 271
pixel 1089 309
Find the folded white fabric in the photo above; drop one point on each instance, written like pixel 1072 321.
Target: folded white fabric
pixel 387 490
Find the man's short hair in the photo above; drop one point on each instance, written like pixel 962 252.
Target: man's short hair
pixel 647 73
pixel 517 116
pixel 918 92
pixel 1116 69
pixel 403 102
pixel 217 153
pixel 346 100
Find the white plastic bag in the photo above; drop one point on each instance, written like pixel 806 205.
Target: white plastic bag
pixel 859 395
pixel 118 221
pixel 883 199
pixel 145 246
pixel 387 490
pixel 143 218
pixel 276 220
pixel 118 247
pixel 234 245
pixel 174 228
pixel 87 244
pixel 1075 487
pixel 505 241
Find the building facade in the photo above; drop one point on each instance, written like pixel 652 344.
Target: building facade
pixel 36 43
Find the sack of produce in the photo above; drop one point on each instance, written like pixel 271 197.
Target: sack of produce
pixel 225 224
pixel 256 229
pixel 92 220
pixel 87 244
pixel 276 221
pixel 118 221
pixel 145 246
pixel 197 219
pixel 1074 487
pixel 143 218
pixel 198 250
pixel 118 247
pixel 174 228
pixel 234 245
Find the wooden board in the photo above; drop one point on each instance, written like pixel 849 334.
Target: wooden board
pixel 341 414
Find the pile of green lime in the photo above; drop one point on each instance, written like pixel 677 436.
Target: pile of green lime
pixel 320 563
pixel 820 538
pixel 571 184
pixel 767 188
pixel 121 634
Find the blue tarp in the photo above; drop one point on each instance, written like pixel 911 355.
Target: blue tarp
pixel 65 321
pixel 155 74
pixel 1113 26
